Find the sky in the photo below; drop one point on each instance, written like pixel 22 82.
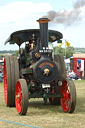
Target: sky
pixel 67 17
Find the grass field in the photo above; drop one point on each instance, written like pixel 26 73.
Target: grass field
pixel 45 116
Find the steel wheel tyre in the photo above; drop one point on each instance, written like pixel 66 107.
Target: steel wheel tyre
pixel 21 97
pixel 14 77
pixel 68 101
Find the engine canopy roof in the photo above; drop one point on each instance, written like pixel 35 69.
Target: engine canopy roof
pixel 19 37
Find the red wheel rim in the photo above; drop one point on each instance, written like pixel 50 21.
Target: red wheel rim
pixel 65 100
pixel 5 83
pixel 52 99
pixel 18 97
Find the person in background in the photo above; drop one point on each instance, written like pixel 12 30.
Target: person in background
pixel 1 76
pixel 72 74
pixel 0 67
pixel 67 73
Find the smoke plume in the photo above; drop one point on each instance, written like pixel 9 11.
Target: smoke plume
pixel 67 17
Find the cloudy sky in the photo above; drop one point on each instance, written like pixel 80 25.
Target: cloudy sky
pixel 67 17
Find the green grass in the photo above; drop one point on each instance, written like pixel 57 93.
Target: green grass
pixel 45 116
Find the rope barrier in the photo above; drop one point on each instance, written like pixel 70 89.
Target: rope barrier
pixel 18 123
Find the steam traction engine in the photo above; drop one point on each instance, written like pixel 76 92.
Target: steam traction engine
pixel 37 73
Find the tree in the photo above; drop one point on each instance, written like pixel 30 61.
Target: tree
pixel 69 51
pixel 58 50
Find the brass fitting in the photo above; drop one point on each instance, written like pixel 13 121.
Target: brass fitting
pixel 46 71
pixel 37 55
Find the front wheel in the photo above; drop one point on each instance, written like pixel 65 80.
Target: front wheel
pixel 68 101
pixel 21 97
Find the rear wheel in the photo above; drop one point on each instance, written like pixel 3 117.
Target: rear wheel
pixel 21 96
pixel 68 101
pixel 11 75
pixel 59 60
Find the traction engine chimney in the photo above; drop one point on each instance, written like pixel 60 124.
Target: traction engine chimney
pixel 43 22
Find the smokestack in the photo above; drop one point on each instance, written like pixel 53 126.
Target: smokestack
pixel 43 22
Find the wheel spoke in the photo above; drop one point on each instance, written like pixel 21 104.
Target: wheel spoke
pixel 5 83
pixel 66 96
pixel 18 97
